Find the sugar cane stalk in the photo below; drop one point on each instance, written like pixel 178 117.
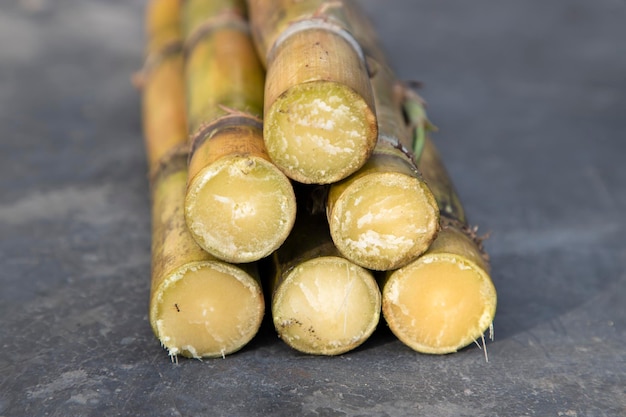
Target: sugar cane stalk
pixel 320 124
pixel 445 299
pixel 163 68
pixel 199 306
pixel 239 206
pixel 322 303
pixel 384 215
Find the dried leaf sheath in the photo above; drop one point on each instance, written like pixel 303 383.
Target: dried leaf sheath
pixel 239 206
pixel 322 303
pixel 445 299
pixel 320 124
pixel 188 311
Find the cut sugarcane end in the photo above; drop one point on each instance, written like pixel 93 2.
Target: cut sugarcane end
pixel 207 309
pixel 385 220
pixel 439 303
pixel 240 208
pixel 319 132
pixel 326 306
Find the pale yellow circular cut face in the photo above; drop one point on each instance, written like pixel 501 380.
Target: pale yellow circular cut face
pixel 240 209
pixel 439 304
pixel 211 311
pixel 385 220
pixel 326 306
pixel 319 132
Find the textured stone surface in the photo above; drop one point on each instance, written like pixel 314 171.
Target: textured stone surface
pixel 530 101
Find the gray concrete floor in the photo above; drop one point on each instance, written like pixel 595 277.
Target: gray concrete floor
pixel 530 99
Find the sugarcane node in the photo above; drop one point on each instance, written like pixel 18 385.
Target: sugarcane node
pixel 173 160
pixel 396 144
pixel 231 120
pixel 227 19
pixel 470 231
pixel 171 49
pixel 315 23
pixel 140 77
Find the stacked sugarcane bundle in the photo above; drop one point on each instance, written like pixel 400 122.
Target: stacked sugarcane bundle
pixel 285 155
